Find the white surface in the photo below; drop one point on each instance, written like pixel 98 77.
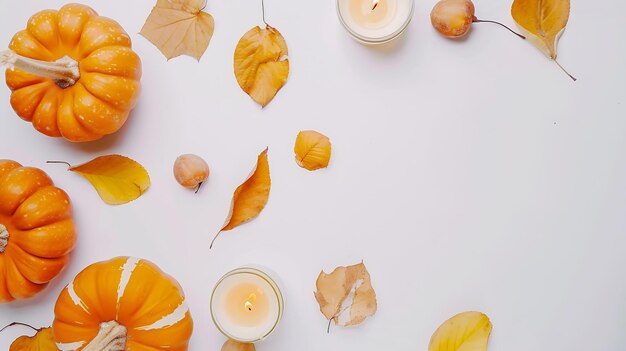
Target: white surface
pixel 469 175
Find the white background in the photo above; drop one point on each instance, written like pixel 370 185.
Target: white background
pixel 468 175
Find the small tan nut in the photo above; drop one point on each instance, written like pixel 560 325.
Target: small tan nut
pixel 191 171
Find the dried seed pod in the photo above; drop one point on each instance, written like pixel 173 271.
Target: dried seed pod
pixel 191 171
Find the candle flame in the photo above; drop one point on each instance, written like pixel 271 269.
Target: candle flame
pixel 248 304
pixel 374 4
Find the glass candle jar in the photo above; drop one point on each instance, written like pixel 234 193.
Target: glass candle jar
pixel 375 21
pixel 247 304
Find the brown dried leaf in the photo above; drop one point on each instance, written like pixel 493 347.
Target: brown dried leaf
pixel 250 197
pixel 232 345
pixel 346 295
pixel 312 150
pixel 179 27
pixel 261 68
pixel 42 341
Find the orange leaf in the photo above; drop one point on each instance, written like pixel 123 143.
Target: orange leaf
pixel 261 68
pixel 117 179
pixel 41 341
pixel 179 27
pixel 467 331
pixel 312 150
pixel 346 295
pixel 232 345
pixel 542 22
pixel 250 197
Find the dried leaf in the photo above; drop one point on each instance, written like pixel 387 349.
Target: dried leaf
pixel 468 331
pixel 42 341
pixel 542 22
pixel 179 27
pixel 249 198
pixel 232 345
pixel 312 150
pixel 261 66
pixel 346 295
pixel 118 179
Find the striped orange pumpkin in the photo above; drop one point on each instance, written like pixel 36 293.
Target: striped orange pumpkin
pixel 122 304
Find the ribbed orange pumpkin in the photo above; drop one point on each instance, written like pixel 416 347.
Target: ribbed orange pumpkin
pixel 122 304
pixel 36 230
pixel 75 74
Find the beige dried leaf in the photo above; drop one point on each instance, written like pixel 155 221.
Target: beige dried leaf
pixel 179 27
pixel 312 150
pixel 261 66
pixel 346 295
pixel 232 345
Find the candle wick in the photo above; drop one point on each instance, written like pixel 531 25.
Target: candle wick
pixel 375 4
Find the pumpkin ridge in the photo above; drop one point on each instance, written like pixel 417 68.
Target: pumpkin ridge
pixel 52 50
pixel 42 87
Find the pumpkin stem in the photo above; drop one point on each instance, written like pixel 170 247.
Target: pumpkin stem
pixel 64 71
pixel 111 337
pixel 4 238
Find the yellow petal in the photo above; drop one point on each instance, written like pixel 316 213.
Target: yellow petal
pixel 232 345
pixel 42 341
pixel 312 150
pixel 179 27
pixel 261 68
pixel 468 331
pixel 542 22
pixel 250 198
pixel 117 179
pixel 346 295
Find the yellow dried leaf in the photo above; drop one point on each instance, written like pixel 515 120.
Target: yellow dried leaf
pixel 42 341
pixel 312 150
pixel 179 27
pixel 232 345
pixel 542 22
pixel 249 198
pixel 468 331
pixel 118 179
pixel 261 66
pixel 346 295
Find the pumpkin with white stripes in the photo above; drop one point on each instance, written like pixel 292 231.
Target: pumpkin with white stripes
pixel 125 304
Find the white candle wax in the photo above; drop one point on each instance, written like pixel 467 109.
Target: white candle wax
pixel 374 22
pixel 246 304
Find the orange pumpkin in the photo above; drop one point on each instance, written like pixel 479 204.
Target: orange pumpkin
pixel 36 230
pixel 122 304
pixel 74 73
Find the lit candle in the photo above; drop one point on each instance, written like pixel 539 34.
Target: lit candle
pixel 246 304
pixel 375 21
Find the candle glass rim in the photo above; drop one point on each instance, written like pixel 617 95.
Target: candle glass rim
pixel 373 40
pixel 270 281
